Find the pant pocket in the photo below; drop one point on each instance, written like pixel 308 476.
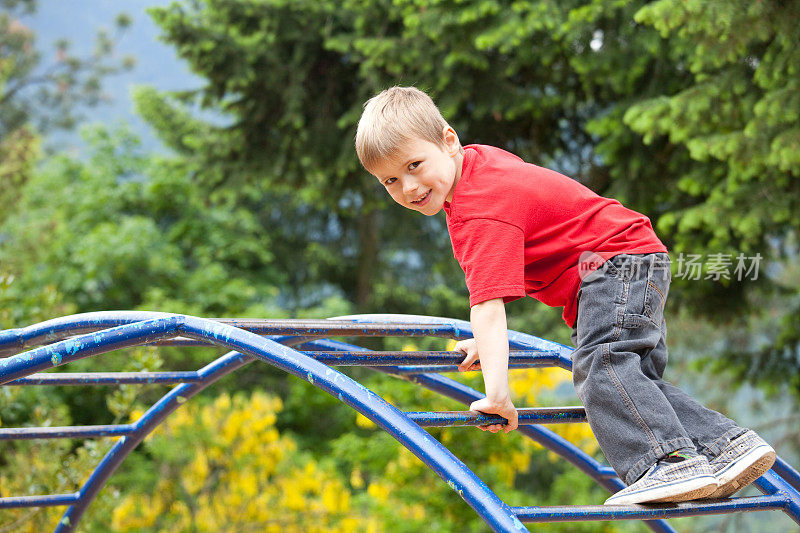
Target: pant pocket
pixel 644 292
pixel 656 290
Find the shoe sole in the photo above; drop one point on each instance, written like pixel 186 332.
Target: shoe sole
pixel 690 489
pixel 741 473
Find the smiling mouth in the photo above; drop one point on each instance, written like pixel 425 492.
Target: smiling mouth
pixel 427 194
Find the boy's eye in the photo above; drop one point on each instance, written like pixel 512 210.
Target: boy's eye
pixel 414 165
pixel 389 181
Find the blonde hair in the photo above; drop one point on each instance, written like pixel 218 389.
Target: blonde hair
pixel 394 117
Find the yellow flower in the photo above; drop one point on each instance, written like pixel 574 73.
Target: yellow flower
pixel 364 422
pixel 258 478
pixel 379 491
pixel 520 460
pixel 529 383
pixel 197 473
pixel 293 498
pixel 356 480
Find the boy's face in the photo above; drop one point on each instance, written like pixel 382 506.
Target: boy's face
pixel 423 175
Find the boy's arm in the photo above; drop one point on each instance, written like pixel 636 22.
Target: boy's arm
pixel 489 328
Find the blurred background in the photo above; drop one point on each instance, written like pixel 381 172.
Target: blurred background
pixel 197 157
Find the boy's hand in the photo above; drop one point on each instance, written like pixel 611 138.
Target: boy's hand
pixel 472 360
pixel 505 409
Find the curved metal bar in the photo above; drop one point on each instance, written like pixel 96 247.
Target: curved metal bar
pixel 209 374
pixel 524 341
pixel 108 340
pixel 144 426
pixel 159 327
pixel 496 513
pixel 82 347
pixel 13 341
pixel 493 510
pixel 603 475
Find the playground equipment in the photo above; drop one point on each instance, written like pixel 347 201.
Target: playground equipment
pixel 303 348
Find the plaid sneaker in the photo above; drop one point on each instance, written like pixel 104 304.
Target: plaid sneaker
pixel 742 461
pixel 675 478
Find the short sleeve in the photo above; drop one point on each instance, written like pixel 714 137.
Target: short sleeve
pixel 492 255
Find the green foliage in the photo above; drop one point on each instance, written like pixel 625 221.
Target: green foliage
pixel 46 93
pixel 18 153
pixel 685 111
pixel 739 114
pixel 117 239
pixel 32 468
pixel 37 95
pixel 289 79
pixel 737 118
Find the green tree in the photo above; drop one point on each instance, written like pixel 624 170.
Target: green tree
pixel 37 95
pixel 684 111
pixel 132 231
pixel 290 79
pixel 46 93
pixel 264 210
pixel 738 120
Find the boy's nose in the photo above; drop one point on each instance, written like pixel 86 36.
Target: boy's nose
pixel 410 186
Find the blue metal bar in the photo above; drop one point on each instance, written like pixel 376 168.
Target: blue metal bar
pixel 15 340
pixel 603 475
pixel 209 374
pixel 553 442
pixel 450 388
pixel 66 432
pixel 520 358
pixel 647 512
pixel 461 329
pixel 470 487
pixel 543 436
pixel 782 493
pixel 69 350
pixel 495 512
pixel 527 416
pixel 785 470
pixel 442 369
pixel 337 328
pixel 212 372
pixel 772 484
pixel 49 500
pixel 107 378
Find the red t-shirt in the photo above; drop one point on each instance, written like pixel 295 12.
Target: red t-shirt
pixel 518 229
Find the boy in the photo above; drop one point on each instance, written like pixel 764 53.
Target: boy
pixel 517 230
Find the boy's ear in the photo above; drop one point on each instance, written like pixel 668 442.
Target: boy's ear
pixel 450 138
